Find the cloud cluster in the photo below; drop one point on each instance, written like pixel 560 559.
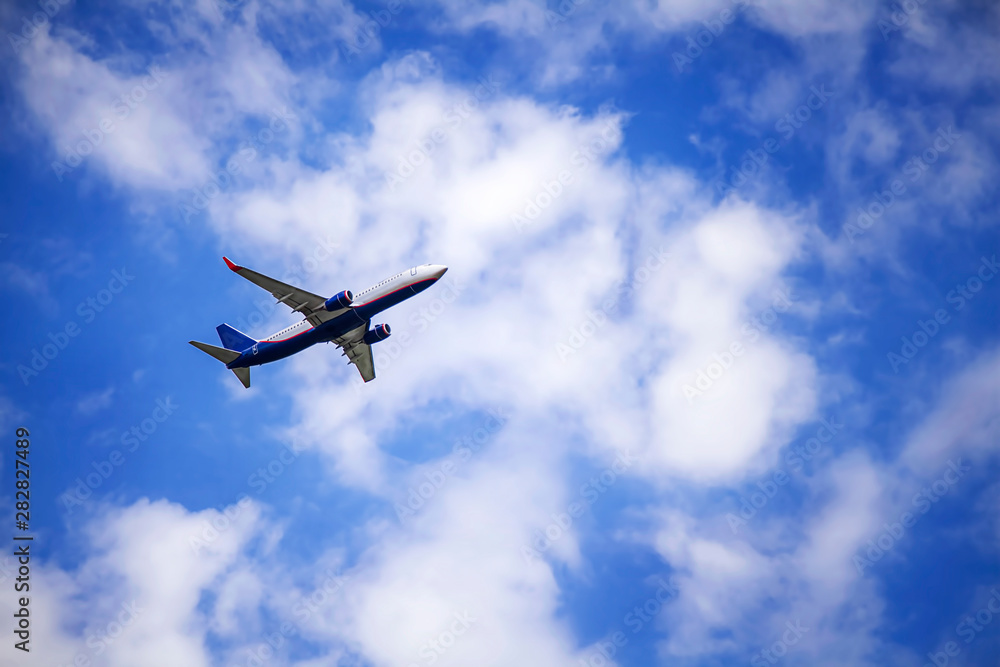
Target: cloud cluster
pixel 138 596
pixel 689 363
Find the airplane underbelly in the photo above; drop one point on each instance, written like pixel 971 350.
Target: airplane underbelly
pixel 268 351
pixel 373 308
pixel 339 326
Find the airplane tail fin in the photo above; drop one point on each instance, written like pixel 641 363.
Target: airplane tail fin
pixel 225 356
pixel 233 339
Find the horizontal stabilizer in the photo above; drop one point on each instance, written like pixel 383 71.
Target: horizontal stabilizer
pixel 244 375
pixel 220 353
pixel 234 339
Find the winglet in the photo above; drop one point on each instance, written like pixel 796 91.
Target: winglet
pixel 232 266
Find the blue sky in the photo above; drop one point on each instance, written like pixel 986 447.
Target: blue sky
pixel 712 378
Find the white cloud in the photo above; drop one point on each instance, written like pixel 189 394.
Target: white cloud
pixel 936 49
pixel 145 141
pixel 570 35
pixel 461 555
pixel 161 126
pixel 34 284
pixel 871 136
pixel 528 280
pixel 521 293
pixel 95 401
pixel 738 591
pixel 965 422
pixel 460 206
pixel 137 596
pixel 736 597
pixel 10 414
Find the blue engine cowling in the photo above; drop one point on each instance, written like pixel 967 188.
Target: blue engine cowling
pixel 377 333
pixel 338 301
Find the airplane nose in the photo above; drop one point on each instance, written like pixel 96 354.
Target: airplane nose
pixel 438 271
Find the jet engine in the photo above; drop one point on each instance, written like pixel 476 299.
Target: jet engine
pixel 339 301
pixel 377 333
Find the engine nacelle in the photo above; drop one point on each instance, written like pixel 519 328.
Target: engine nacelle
pixel 378 332
pixel 339 301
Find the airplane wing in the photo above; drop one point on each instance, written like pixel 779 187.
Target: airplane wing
pixel 299 300
pixel 358 352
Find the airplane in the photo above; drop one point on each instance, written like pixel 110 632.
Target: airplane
pixel 345 319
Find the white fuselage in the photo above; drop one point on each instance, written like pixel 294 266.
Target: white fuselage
pixel 375 299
